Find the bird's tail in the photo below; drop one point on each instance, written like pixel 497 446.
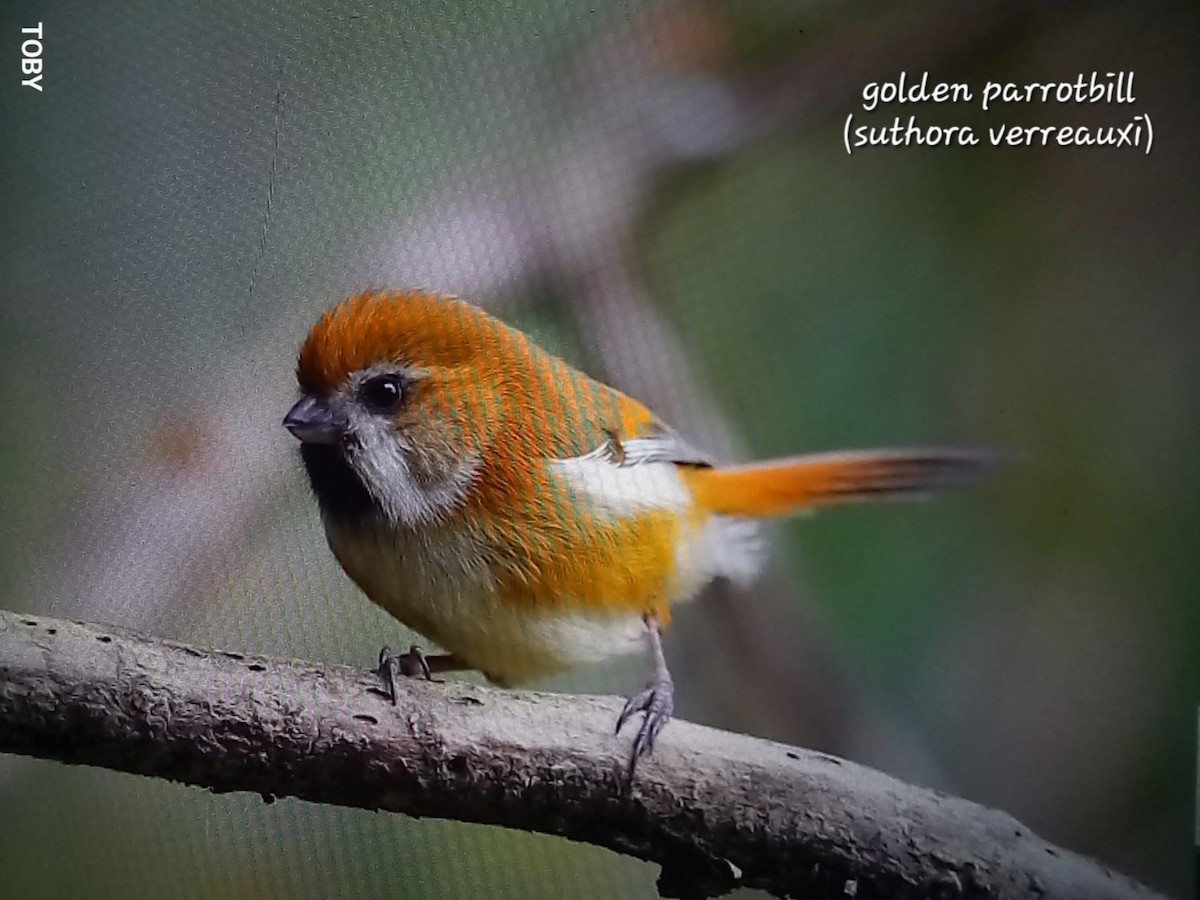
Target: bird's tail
pixel 782 486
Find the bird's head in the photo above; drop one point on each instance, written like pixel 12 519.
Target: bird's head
pixel 396 393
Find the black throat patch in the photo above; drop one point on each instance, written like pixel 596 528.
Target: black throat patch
pixel 339 490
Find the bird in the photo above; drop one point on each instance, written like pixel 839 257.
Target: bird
pixel 525 517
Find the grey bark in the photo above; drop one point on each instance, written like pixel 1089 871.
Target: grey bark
pixel 715 810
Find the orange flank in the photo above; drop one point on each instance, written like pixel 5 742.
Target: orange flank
pixel 782 486
pixel 617 566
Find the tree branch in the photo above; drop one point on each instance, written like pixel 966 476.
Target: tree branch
pixel 716 810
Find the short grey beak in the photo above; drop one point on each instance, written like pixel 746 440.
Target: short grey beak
pixel 311 422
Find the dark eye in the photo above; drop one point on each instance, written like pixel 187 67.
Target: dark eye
pixel 382 393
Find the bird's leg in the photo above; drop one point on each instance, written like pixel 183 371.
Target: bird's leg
pixel 411 664
pixel 657 701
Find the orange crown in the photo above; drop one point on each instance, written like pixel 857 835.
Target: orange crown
pixel 407 327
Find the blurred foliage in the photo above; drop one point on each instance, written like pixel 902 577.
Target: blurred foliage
pixel 131 838
pixel 844 355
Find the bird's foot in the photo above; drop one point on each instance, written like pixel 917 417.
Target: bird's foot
pixel 657 702
pixel 394 665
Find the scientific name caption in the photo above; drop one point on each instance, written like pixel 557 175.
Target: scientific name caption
pixel 1107 89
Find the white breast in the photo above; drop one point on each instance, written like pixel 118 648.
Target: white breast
pixel 442 589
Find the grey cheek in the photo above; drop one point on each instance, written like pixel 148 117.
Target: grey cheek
pixel 408 491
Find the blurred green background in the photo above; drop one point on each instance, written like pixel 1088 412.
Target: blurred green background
pixel 658 192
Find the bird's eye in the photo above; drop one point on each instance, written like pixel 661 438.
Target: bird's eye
pixel 382 393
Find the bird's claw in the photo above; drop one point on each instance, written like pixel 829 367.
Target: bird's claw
pixel 657 701
pixel 394 665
